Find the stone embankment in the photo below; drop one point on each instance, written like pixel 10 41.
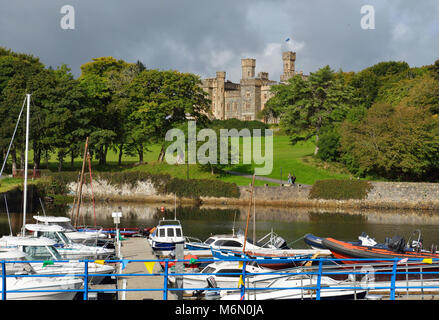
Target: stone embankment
pixel 383 195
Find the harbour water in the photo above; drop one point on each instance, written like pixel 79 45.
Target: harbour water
pixel 290 223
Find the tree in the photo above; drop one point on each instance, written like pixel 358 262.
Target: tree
pixel 309 104
pixel 161 100
pixel 16 74
pixel 97 77
pixel 394 142
pixel 435 69
pixel 366 84
pixel 62 103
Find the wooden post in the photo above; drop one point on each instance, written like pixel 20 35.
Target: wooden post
pixel 81 180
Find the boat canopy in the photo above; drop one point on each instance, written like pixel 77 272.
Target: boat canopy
pixel 44 228
pixel 11 254
pixel 27 241
pixel 51 219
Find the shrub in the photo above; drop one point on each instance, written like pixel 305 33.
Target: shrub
pixel 329 143
pixel 56 183
pixel 340 189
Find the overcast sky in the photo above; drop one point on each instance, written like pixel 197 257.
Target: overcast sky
pixel 205 36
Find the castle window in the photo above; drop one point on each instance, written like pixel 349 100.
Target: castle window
pixel 247 94
pixel 247 106
pixel 228 107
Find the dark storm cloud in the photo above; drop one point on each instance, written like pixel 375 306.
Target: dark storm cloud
pixel 205 36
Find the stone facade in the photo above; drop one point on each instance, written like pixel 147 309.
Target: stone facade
pixel 244 100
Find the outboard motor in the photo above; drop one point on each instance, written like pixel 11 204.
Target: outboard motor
pixel 397 244
pixel 211 282
pixel 365 240
pixel 280 243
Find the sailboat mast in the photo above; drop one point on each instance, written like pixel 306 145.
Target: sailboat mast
pixel 248 214
pixel 25 164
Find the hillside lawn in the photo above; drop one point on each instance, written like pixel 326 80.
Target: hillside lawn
pixel 295 159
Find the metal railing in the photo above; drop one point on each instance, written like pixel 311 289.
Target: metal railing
pixel 357 275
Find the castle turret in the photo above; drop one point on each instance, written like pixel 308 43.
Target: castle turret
pixel 289 60
pixel 248 68
pixel 220 98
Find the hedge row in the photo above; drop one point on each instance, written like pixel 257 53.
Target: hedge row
pixel 340 189
pixel 56 183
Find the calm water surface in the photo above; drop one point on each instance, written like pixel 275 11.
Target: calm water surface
pixel 290 223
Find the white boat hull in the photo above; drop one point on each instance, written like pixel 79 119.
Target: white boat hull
pixel 25 286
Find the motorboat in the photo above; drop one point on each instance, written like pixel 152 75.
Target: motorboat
pixel 166 236
pixel 273 259
pixel 236 241
pixel 66 247
pixel 395 247
pixel 226 274
pixel 44 250
pixel 299 283
pixel 84 237
pixel 317 242
pixel 300 287
pixel 21 285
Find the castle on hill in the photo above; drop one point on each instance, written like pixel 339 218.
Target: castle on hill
pixel 244 100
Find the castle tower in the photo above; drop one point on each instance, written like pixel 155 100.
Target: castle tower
pixel 289 60
pixel 220 95
pixel 248 68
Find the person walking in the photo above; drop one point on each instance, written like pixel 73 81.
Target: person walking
pixel 290 181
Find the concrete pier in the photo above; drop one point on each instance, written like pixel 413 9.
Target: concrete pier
pixel 139 249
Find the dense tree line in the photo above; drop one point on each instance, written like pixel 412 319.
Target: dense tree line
pixel 118 105
pixel 381 122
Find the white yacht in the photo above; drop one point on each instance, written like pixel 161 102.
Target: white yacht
pixel 85 237
pixel 43 249
pixel 26 288
pixel 66 247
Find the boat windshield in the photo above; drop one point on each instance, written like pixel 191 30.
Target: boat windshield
pixel 41 253
pixel 209 241
pixel 65 225
pixel 64 238
pixel 56 236
pixel 208 270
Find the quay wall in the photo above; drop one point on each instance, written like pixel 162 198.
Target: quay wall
pixel 383 195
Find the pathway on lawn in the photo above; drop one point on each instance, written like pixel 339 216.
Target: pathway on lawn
pixel 236 173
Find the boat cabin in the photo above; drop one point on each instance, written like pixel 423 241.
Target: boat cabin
pixel 60 221
pixel 53 232
pixel 34 248
pixel 168 229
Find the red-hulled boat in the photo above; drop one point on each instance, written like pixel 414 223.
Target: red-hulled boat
pixel 348 250
pixel 406 269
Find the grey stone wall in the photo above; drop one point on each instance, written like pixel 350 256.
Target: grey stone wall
pixel 404 191
pixel 285 193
